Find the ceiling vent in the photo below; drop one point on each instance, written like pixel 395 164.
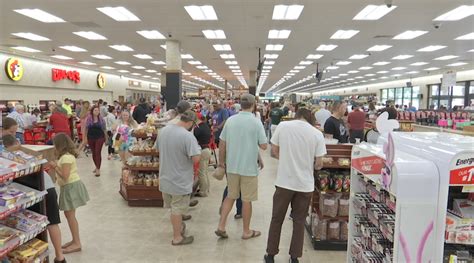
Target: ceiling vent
pixel 85 24
pixel 383 37
pixel 196 36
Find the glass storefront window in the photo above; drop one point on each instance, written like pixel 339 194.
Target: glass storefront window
pixel 458 102
pixel 443 103
pixel 434 90
pixel 407 94
pixel 384 93
pixel 399 93
pixel 445 91
pixel 391 94
pixel 415 103
pixel 459 90
pixel 471 88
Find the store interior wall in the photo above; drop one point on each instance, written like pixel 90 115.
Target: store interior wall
pixel 37 83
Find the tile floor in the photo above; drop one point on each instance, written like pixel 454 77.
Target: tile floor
pixel 111 231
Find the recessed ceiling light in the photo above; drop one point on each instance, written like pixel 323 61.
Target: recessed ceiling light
pixel 73 48
pixel 373 12
pixel 431 48
pixel 344 34
pixel 122 62
pixel 326 47
pixel 107 67
pixel 279 34
pixel 314 56
pixel 227 56
pixel 418 64
pixel 410 34
pixel 40 15
pixel 299 67
pixel 118 13
pixel 359 77
pixel 274 47
pixel 238 74
pixel 151 71
pixel 431 69
pixel 90 35
pixel 352 71
pixel 142 56
pixel 378 48
pixel 158 62
pixel 306 62
pixel 351 79
pixel 381 63
pixel 382 72
pixel 234 67
pixel 267 67
pixel 203 12
pixel 472 50
pixel 146 76
pixel 269 62
pixel 186 56
pixel 402 57
pixel 214 34
pixel 290 74
pixel 224 47
pixel 61 57
pixel 343 63
pixel 384 77
pixel 31 36
pixel 365 68
pixel 457 13
pixel 457 64
pixel 266 71
pixel 398 68
pixel 101 56
pixel 294 71
pixel 201 67
pixel 446 57
pixel 151 34
pixel 343 74
pixel 87 63
pixel 236 70
pixel 396 75
pixel 287 12
pixel 231 62
pixel 121 47
pixel 271 56
pixel 123 71
pixel 332 67
pixel 358 56
pixel 138 67
pixel 469 36
pixel 413 72
pixel 194 62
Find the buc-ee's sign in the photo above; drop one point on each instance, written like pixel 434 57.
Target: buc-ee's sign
pixel 60 74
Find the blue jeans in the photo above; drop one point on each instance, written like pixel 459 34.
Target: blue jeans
pixel 238 204
pixel 20 137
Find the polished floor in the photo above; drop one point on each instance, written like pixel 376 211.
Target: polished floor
pixel 111 231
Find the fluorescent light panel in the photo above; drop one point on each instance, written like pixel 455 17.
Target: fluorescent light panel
pixel 90 35
pixel 402 57
pixel 314 56
pixel 381 63
pixel 26 49
pixel 398 68
pixel 214 34
pixel 227 56
pixel 118 13
pixel 343 63
pixel 287 12
pixel 271 56
pixel 222 47
pixel 100 56
pixel 107 67
pixel 299 67
pixel 457 13
pixel 203 12
pixel 344 34
pixel 142 56
pixel 365 68
pixel 418 64
pixel 73 48
pixel 326 47
pixel 431 69
pixel 158 62
pixel 87 63
pixel 234 67
pixel 446 57
pixel 61 57
pixel 274 47
pixel 306 62
pixel 469 36
pixel 194 62
pixel 123 48
pixel 358 56
pixel 138 67
pixel 378 48
pixel 186 56
pixel 31 36
pixel 40 15
pixel 373 12
pixel 151 34
pixel 279 34
pixel 431 48
pixel 410 34
pixel 457 64
pixel 332 67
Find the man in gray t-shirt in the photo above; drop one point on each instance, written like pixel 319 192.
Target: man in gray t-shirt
pixel 179 151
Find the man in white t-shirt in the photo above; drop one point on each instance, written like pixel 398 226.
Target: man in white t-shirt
pixel 300 148
pixel 322 114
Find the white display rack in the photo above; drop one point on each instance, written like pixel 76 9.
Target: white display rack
pixel 411 191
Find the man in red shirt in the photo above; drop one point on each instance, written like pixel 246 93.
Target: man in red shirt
pixel 59 122
pixel 356 121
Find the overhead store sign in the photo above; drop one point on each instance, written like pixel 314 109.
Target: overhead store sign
pixel 240 92
pixel 133 83
pixel 101 80
pixel 207 92
pixel 14 69
pixel 60 74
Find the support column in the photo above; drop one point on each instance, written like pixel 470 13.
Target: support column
pixel 225 89
pixel 173 87
pixel 253 82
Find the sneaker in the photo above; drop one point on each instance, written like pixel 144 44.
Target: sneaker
pixel 269 258
pixel 193 203
pixel 294 260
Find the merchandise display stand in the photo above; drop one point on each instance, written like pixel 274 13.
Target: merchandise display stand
pixel 22 192
pixel 393 206
pixel 453 154
pixel 328 212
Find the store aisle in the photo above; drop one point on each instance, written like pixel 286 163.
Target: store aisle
pixel 111 231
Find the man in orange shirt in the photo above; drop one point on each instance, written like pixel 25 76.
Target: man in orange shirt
pixel 356 121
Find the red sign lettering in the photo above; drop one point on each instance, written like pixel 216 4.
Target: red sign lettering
pixel 60 74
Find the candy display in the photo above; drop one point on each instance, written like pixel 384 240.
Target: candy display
pixel 28 252
pixel 334 180
pixel 9 195
pixel 7 234
pixel 25 220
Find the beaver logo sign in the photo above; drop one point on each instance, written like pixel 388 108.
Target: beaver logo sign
pixel 101 81
pixel 14 69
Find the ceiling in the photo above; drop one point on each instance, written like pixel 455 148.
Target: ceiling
pixel 246 24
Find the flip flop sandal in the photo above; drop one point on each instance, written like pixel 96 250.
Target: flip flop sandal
pixel 254 234
pixel 66 251
pixel 184 241
pixel 221 234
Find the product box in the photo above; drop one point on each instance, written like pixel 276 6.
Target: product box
pixel 25 220
pixel 7 234
pixel 9 195
pixel 464 207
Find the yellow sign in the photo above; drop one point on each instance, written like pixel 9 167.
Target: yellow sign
pixel 14 69
pixel 101 81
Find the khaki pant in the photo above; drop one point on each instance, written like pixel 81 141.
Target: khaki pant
pixel 245 187
pixel 203 181
pixel 178 204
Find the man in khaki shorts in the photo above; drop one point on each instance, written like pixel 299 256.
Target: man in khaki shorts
pixel 240 140
pixel 179 151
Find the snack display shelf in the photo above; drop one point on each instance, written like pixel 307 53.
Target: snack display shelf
pixel 142 169
pixel 20 170
pixel 141 195
pixel 41 257
pixel 141 153
pixel 22 203
pixel 145 136
pixel 21 239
